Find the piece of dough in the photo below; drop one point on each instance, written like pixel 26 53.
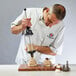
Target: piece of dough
pixel 30 47
pixel 47 62
pixel 32 62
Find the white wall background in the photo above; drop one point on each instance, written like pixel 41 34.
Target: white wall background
pixel 10 9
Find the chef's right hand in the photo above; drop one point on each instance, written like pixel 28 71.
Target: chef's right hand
pixel 26 23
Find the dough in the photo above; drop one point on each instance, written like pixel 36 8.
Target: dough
pixel 30 47
pixel 32 62
pixel 47 62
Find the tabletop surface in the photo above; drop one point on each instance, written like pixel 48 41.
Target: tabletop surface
pixel 12 70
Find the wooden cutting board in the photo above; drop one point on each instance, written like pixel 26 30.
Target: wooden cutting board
pixel 24 67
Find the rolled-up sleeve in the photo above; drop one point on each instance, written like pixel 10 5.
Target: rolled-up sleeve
pixel 57 45
pixel 18 19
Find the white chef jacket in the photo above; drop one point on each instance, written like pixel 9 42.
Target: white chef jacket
pixel 42 35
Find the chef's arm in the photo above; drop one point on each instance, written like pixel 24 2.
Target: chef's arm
pixel 56 47
pixel 21 26
pixel 45 50
pixel 17 29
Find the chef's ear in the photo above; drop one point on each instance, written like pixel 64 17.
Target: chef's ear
pixel 47 10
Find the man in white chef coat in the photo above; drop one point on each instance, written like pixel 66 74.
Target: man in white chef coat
pixel 47 27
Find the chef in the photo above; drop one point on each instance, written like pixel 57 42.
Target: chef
pixel 48 29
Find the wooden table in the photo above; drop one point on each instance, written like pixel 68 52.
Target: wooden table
pixel 25 67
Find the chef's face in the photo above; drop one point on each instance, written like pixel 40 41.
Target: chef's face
pixel 50 19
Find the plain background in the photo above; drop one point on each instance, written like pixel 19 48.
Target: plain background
pixel 10 9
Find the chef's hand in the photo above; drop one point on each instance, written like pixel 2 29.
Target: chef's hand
pixel 26 23
pixel 30 47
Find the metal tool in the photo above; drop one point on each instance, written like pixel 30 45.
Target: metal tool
pixel 29 33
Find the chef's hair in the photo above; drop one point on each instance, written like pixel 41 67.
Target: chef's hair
pixel 59 10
